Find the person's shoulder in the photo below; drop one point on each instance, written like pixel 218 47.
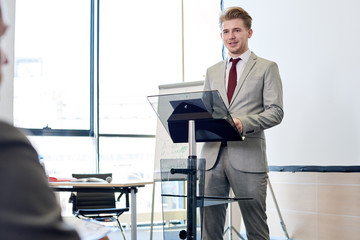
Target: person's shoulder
pixel 261 59
pixel 9 133
pixel 217 65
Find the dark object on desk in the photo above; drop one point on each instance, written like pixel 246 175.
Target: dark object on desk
pixel 92 179
pixel 100 206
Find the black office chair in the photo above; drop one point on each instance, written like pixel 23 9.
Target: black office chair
pixel 100 206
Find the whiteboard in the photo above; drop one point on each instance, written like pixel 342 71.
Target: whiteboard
pixel 317 47
pixel 164 147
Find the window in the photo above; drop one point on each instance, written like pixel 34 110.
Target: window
pixel 59 153
pixel 52 86
pixel 84 69
pixel 135 48
pixel 202 41
pixel 140 48
pixel 52 70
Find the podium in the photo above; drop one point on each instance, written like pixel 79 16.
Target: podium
pixel 194 117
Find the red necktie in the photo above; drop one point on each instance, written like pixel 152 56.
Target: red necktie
pixel 232 78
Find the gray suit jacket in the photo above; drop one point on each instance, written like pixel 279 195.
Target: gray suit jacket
pixel 257 102
pixel 28 207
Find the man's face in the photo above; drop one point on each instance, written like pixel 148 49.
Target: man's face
pixel 3 59
pixel 235 36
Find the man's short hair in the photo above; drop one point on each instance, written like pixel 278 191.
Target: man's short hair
pixel 233 13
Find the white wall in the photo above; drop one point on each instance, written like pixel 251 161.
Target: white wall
pixel 7 86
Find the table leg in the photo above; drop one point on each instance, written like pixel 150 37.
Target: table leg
pixel 133 214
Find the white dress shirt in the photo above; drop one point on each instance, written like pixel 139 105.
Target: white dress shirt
pixel 240 66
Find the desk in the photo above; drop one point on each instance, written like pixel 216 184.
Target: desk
pixel 106 187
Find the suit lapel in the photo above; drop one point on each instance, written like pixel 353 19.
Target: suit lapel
pixel 250 64
pixel 221 84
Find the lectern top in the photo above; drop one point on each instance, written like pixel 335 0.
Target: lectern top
pixel 213 121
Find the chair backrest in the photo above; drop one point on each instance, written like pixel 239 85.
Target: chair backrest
pixel 93 200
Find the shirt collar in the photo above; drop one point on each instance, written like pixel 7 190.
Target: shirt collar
pixel 244 57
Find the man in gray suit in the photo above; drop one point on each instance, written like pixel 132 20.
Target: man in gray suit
pixel 254 100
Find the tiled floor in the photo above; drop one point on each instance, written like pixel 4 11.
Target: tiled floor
pixel 143 233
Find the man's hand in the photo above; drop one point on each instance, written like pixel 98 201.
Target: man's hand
pixel 238 124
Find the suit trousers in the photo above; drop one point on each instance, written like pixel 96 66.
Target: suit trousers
pixel 218 181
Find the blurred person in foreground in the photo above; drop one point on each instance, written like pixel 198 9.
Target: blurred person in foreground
pixel 252 91
pixel 28 206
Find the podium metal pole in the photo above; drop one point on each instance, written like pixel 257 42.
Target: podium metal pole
pixel 191 183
